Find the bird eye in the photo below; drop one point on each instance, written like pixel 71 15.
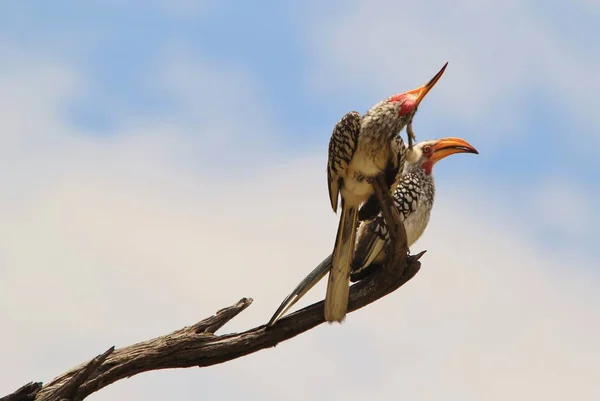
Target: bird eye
pixel 426 149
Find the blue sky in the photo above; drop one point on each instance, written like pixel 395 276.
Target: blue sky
pixel 118 48
pixel 142 136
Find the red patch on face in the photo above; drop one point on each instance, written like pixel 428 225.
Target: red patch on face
pixel 408 103
pixel 428 166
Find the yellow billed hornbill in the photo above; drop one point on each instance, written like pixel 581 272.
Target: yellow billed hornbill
pixel 360 149
pixel 413 197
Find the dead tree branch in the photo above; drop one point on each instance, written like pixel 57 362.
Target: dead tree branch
pixel 198 345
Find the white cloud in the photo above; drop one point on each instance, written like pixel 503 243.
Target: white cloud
pixel 500 55
pixel 220 108
pixel 563 207
pixel 112 241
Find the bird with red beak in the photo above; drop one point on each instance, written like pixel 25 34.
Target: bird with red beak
pixel 360 149
pixel 413 197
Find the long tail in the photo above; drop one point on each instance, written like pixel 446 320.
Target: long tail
pixel 305 285
pixel 338 286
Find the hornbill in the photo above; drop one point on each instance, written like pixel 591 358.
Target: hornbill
pixel 413 197
pixel 360 149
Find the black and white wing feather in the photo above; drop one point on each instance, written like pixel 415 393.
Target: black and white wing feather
pixel 373 237
pixel 342 146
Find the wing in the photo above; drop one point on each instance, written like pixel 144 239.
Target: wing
pixel 341 149
pixel 373 237
pixel 406 195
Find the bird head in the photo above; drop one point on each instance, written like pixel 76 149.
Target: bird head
pixel 395 112
pixel 408 102
pixel 426 154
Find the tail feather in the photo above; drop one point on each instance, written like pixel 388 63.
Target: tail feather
pixel 372 240
pixel 305 285
pixel 338 286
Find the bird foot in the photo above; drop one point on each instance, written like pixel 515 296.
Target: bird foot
pixel 410 134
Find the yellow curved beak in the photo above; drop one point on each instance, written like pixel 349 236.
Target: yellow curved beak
pixel 421 91
pixel 449 146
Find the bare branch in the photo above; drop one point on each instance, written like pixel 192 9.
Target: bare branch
pixel 197 345
pixel 25 393
pixel 68 390
pixel 214 323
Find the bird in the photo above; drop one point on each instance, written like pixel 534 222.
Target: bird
pixel 361 148
pixel 413 197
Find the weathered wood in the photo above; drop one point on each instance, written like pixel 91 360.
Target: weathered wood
pixel 197 345
pixel 25 393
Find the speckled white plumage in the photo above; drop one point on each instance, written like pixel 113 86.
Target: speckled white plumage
pixel 413 197
pixel 360 149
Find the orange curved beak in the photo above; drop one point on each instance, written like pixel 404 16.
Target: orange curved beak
pixel 449 146
pixel 421 91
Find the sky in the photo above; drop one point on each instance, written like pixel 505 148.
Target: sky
pixel 161 160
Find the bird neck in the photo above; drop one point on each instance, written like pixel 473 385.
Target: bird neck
pixel 426 184
pixel 383 121
pixel 424 170
pixel 428 167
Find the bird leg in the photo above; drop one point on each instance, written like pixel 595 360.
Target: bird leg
pixel 410 134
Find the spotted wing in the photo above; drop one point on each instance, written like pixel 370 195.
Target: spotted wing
pixel 342 146
pixel 373 237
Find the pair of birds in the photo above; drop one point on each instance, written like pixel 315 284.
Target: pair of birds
pixel 360 149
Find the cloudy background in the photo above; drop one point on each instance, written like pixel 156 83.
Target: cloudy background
pixel 161 161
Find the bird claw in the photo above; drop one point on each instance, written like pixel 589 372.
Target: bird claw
pixel 410 134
